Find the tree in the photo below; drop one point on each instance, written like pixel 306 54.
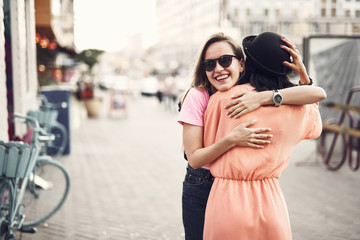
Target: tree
pixel 90 58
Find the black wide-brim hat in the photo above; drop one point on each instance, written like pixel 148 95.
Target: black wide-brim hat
pixel 264 50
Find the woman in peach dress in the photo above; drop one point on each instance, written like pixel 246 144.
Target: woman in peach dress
pixel 246 201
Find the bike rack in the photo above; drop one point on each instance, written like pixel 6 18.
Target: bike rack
pixel 348 133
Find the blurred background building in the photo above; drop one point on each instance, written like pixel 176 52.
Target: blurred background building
pixel 54 40
pixel 183 27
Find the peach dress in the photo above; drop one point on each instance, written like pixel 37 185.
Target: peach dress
pixel 246 202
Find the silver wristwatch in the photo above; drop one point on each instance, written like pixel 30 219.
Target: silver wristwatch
pixel 277 98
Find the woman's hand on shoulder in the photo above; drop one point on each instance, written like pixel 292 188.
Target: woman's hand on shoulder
pixel 243 136
pixel 244 102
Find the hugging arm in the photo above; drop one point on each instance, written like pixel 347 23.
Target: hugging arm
pixel 245 102
pixel 199 156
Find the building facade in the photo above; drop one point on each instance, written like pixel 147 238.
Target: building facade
pixel 182 27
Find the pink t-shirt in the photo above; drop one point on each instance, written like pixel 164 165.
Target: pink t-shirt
pixel 193 109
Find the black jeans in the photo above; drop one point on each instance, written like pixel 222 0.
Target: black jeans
pixel 196 189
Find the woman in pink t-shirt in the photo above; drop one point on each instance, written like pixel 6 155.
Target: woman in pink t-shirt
pixel 226 66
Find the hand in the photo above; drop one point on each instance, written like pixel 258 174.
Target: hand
pixel 243 103
pixel 250 137
pixel 296 64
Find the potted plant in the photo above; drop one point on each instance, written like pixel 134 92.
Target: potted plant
pixel 86 84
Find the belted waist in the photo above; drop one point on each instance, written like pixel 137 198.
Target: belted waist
pixel 245 180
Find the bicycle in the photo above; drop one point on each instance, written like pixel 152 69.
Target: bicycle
pixel 48 180
pixel 47 117
pixel 17 159
pixel 334 153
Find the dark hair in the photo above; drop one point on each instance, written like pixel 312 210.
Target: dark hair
pixel 262 80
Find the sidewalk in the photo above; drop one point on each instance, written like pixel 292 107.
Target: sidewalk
pixel 127 177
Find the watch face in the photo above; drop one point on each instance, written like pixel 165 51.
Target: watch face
pixel 278 98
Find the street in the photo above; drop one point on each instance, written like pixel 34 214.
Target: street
pixel 126 180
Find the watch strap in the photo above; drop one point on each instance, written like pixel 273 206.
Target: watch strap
pixel 310 83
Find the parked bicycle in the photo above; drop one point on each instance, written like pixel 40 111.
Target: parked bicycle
pixel 47 117
pixel 339 142
pixel 48 181
pixel 17 159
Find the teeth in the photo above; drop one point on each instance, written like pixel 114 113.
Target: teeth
pixel 222 77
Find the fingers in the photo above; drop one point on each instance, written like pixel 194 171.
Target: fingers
pixel 231 104
pixel 261 130
pixel 235 111
pixel 258 141
pixel 289 65
pixel 255 146
pixel 239 94
pixel 262 136
pixel 257 131
pixel 293 52
pixel 234 102
pixel 247 124
pixel 289 43
pixel 258 144
pixel 243 112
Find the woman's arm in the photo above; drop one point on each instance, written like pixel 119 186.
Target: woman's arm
pixel 245 102
pixel 199 156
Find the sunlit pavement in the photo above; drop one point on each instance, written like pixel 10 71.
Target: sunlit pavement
pixel 127 174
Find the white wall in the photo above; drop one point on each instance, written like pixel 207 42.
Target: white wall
pixel 25 84
pixel 3 98
pixel 23 53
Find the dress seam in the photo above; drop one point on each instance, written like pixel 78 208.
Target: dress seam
pixel 246 180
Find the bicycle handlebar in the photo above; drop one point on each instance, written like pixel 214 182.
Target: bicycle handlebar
pixel 42 134
pixel 28 118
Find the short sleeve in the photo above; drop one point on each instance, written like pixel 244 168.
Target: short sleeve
pixel 193 107
pixel 314 122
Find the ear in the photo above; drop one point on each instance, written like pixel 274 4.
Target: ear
pixel 242 65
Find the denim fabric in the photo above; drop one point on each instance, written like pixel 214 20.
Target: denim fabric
pixel 196 189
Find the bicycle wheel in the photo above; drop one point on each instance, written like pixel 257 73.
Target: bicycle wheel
pixel 6 206
pixel 46 192
pixel 57 147
pixel 333 149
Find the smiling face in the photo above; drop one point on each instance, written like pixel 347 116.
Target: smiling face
pixel 223 78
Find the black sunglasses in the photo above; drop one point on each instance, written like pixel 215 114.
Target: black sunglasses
pixel 224 61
